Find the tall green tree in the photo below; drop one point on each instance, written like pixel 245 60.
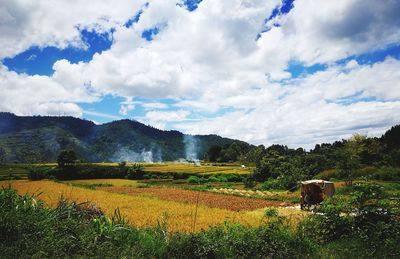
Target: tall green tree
pixel 66 158
pixel 349 161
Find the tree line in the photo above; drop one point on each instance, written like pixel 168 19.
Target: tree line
pixel 346 159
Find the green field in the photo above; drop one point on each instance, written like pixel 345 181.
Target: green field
pixel 13 172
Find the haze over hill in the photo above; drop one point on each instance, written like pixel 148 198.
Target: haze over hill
pixel 29 139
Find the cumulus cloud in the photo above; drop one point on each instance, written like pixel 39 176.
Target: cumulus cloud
pixel 325 31
pixel 316 108
pixel 29 95
pixel 222 59
pixel 214 48
pixel 159 119
pixel 26 23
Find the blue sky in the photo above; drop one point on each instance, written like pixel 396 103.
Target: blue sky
pixel 261 67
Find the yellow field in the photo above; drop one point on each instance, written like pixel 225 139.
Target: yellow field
pixel 190 168
pixel 113 182
pixel 139 210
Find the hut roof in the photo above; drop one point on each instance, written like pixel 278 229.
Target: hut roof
pixel 316 181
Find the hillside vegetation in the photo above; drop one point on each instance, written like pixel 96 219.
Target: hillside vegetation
pixel 39 139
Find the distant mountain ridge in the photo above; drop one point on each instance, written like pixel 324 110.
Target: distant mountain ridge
pixel 33 139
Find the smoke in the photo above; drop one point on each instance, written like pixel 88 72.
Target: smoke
pixel 191 143
pixel 147 156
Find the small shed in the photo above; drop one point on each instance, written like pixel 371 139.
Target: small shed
pixel 313 192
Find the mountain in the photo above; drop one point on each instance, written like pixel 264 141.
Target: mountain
pixel 32 139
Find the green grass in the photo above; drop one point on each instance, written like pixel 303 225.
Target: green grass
pixel 10 172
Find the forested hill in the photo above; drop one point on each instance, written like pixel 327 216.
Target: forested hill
pixel 31 139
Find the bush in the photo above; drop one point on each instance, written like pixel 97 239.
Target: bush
pixel 38 173
pixel 213 179
pixel 236 241
pixel 271 184
pixel 235 177
pixel 193 179
pixel 271 212
pixel 249 182
pixel 135 172
pixel 387 174
pixel 362 215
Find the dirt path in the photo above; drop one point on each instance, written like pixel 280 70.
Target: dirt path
pixel 209 199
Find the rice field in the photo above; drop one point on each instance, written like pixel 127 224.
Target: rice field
pixel 140 209
pixel 196 169
pixel 288 197
pixel 20 171
pixel 10 171
pixel 209 199
pixel 112 182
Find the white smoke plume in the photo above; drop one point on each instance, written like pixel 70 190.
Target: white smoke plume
pixel 147 156
pixel 191 143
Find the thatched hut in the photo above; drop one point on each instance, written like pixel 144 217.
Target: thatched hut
pixel 313 192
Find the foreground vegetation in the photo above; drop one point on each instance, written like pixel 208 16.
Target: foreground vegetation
pixel 361 221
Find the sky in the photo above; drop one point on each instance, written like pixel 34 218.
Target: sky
pixel 264 71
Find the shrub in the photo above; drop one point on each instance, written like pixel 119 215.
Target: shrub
pixel 135 172
pixel 66 158
pixel 235 177
pixel 213 179
pixel 249 182
pixel 38 173
pixel 271 212
pixel 362 215
pixel 271 184
pixel 122 164
pixel 387 174
pixel 193 179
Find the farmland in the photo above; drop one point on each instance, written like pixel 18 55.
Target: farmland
pixel 162 209
pixel 197 169
pixel 19 171
pixel 13 171
pixel 146 208
pixel 100 182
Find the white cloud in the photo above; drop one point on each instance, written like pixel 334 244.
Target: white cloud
pixel 28 95
pixel 127 106
pixel 310 110
pixel 155 105
pixel 26 23
pixel 213 50
pixel 209 60
pixel 325 31
pixel 160 119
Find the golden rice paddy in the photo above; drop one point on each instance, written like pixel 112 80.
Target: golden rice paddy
pixel 140 210
pixel 191 168
pixel 209 199
pixel 113 182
